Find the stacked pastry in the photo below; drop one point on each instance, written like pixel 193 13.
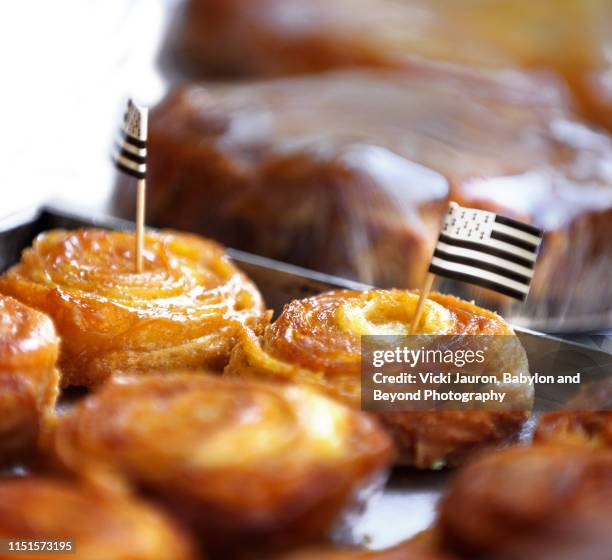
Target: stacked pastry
pixel 247 467
pixel 284 168
pixel 28 378
pixel 316 341
pixel 159 463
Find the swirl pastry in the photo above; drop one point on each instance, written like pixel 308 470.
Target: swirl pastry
pixel 183 311
pixel 590 429
pixel 101 526
pixel 545 502
pixel 317 341
pixel 28 377
pixel 240 462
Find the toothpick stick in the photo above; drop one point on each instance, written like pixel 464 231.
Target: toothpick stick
pixel 130 156
pixel 140 214
pixel 425 289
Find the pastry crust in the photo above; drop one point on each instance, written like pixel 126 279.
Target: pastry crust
pixel 28 377
pixel 245 464
pixel 101 526
pixel 317 341
pixel 546 502
pixel 183 311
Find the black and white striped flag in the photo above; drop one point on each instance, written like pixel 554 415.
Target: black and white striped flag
pixel 130 151
pixel 492 251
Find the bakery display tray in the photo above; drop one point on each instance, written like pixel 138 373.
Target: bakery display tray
pixel 410 495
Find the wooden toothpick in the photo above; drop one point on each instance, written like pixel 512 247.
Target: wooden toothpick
pixel 130 156
pixel 425 289
pixel 140 214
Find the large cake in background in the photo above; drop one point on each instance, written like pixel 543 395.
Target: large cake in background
pixel 351 172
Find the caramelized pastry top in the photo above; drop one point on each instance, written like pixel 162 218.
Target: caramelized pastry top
pixel 247 465
pixel 101 526
pixel 181 426
pixel 265 128
pixel 317 339
pixel 323 332
pixel 546 501
pixel 183 310
pixel 184 276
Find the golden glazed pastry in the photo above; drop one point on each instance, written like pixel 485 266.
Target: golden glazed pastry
pixel 543 502
pixel 244 464
pixel 28 377
pixel 590 429
pixel 183 311
pixel 317 341
pixel 101 526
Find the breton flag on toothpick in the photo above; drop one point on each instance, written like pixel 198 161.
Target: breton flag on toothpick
pixel 130 156
pixel 492 251
pixel 130 151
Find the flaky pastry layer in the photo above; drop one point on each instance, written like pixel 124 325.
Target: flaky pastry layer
pixel 242 462
pixel 316 341
pixel 28 377
pixel 183 311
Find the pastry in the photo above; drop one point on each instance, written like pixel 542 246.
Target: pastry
pixel 83 524
pixel 246 465
pixel 184 310
pixel 547 502
pixel 28 378
pixel 272 37
pixel 316 341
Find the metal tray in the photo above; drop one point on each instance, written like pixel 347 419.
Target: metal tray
pixel 409 495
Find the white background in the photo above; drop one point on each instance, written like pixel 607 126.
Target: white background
pixel 67 67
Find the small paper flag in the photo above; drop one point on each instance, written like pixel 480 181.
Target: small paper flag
pixel 488 250
pixel 130 151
